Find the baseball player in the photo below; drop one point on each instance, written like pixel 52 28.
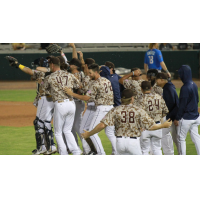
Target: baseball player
pixel 134 83
pixel 43 101
pixel 102 94
pixel 156 108
pixel 187 118
pixel 154 59
pixel 128 120
pixel 171 99
pixel 64 106
pixel 151 76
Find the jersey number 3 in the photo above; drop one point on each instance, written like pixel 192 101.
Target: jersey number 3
pixel 151 59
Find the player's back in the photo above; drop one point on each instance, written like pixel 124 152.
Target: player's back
pixel 154 105
pixel 128 120
pixel 103 91
pixel 153 58
pixel 58 81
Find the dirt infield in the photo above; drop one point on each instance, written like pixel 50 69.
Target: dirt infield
pixel 17 85
pixel 19 114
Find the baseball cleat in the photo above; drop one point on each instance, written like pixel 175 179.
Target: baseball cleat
pixel 38 152
pixel 91 153
pixel 50 152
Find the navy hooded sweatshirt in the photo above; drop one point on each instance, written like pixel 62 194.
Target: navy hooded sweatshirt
pixel 189 98
pixel 171 99
pixel 114 79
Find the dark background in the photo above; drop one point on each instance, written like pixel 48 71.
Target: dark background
pixel 172 59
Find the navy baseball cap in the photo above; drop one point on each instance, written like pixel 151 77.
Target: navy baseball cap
pixel 162 75
pixel 75 62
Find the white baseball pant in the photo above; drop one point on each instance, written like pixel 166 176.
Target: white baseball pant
pixel 64 113
pixel 128 146
pixel 183 128
pixel 153 139
pixel 85 123
pixel 80 107
pixel 168 139
pixel 45 110
pixel 100 112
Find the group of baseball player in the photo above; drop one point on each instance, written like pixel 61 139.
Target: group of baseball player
pixel 139 117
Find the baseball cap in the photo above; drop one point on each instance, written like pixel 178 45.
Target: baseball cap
pixel 146 85
pixel 109 64
pixel 75 62
pixel 162 75
pixel 89 61
pixel 128 93
pixel 152 72
pixel 54 60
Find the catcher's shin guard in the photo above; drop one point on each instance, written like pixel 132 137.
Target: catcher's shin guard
pixel 49 135
pixel 39 132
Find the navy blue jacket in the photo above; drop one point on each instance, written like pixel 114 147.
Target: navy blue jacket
pixel 116 86
pixel 171 99
pixel 189 98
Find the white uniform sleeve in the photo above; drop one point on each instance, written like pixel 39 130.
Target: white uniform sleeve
pixel 65 58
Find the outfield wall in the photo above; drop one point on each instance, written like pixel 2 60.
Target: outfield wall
pixel 173 60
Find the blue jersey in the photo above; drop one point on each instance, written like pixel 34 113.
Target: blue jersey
pixel 153 58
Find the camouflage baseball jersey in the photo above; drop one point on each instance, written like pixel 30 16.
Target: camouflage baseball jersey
pixel 101 92
pixel 156 89
pixel 42 90
pixel 86 83
pixel 134 85
pixel 129 120
pixel 58 81
pixel 38 76
pixel 154 105
pixel 79 76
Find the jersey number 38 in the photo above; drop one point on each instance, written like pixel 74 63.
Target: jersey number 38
pixel 129 119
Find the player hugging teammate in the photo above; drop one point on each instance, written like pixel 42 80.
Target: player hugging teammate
pixel 84 98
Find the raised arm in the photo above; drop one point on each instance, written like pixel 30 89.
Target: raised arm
pixel 14 63
pixel 63 55
pixel 136 72
pixel 43 69
pixel 74 52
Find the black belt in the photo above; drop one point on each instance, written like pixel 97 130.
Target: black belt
pixel 128 137
pixel 158 122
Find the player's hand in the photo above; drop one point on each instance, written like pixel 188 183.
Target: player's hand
pixel 137 72
pixel 80 55
pixel 85 135
pixel 68 91
pixel 169 75
pixel 176 123
pixel 71 45
pixel 167 124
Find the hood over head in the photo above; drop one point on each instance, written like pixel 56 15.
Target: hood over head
pixel 185 73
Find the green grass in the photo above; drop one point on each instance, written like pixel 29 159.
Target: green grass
pixel 21 141
pixel 17 95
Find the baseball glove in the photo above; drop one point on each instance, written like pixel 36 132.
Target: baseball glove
pixel 12 61
pixel 53 48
